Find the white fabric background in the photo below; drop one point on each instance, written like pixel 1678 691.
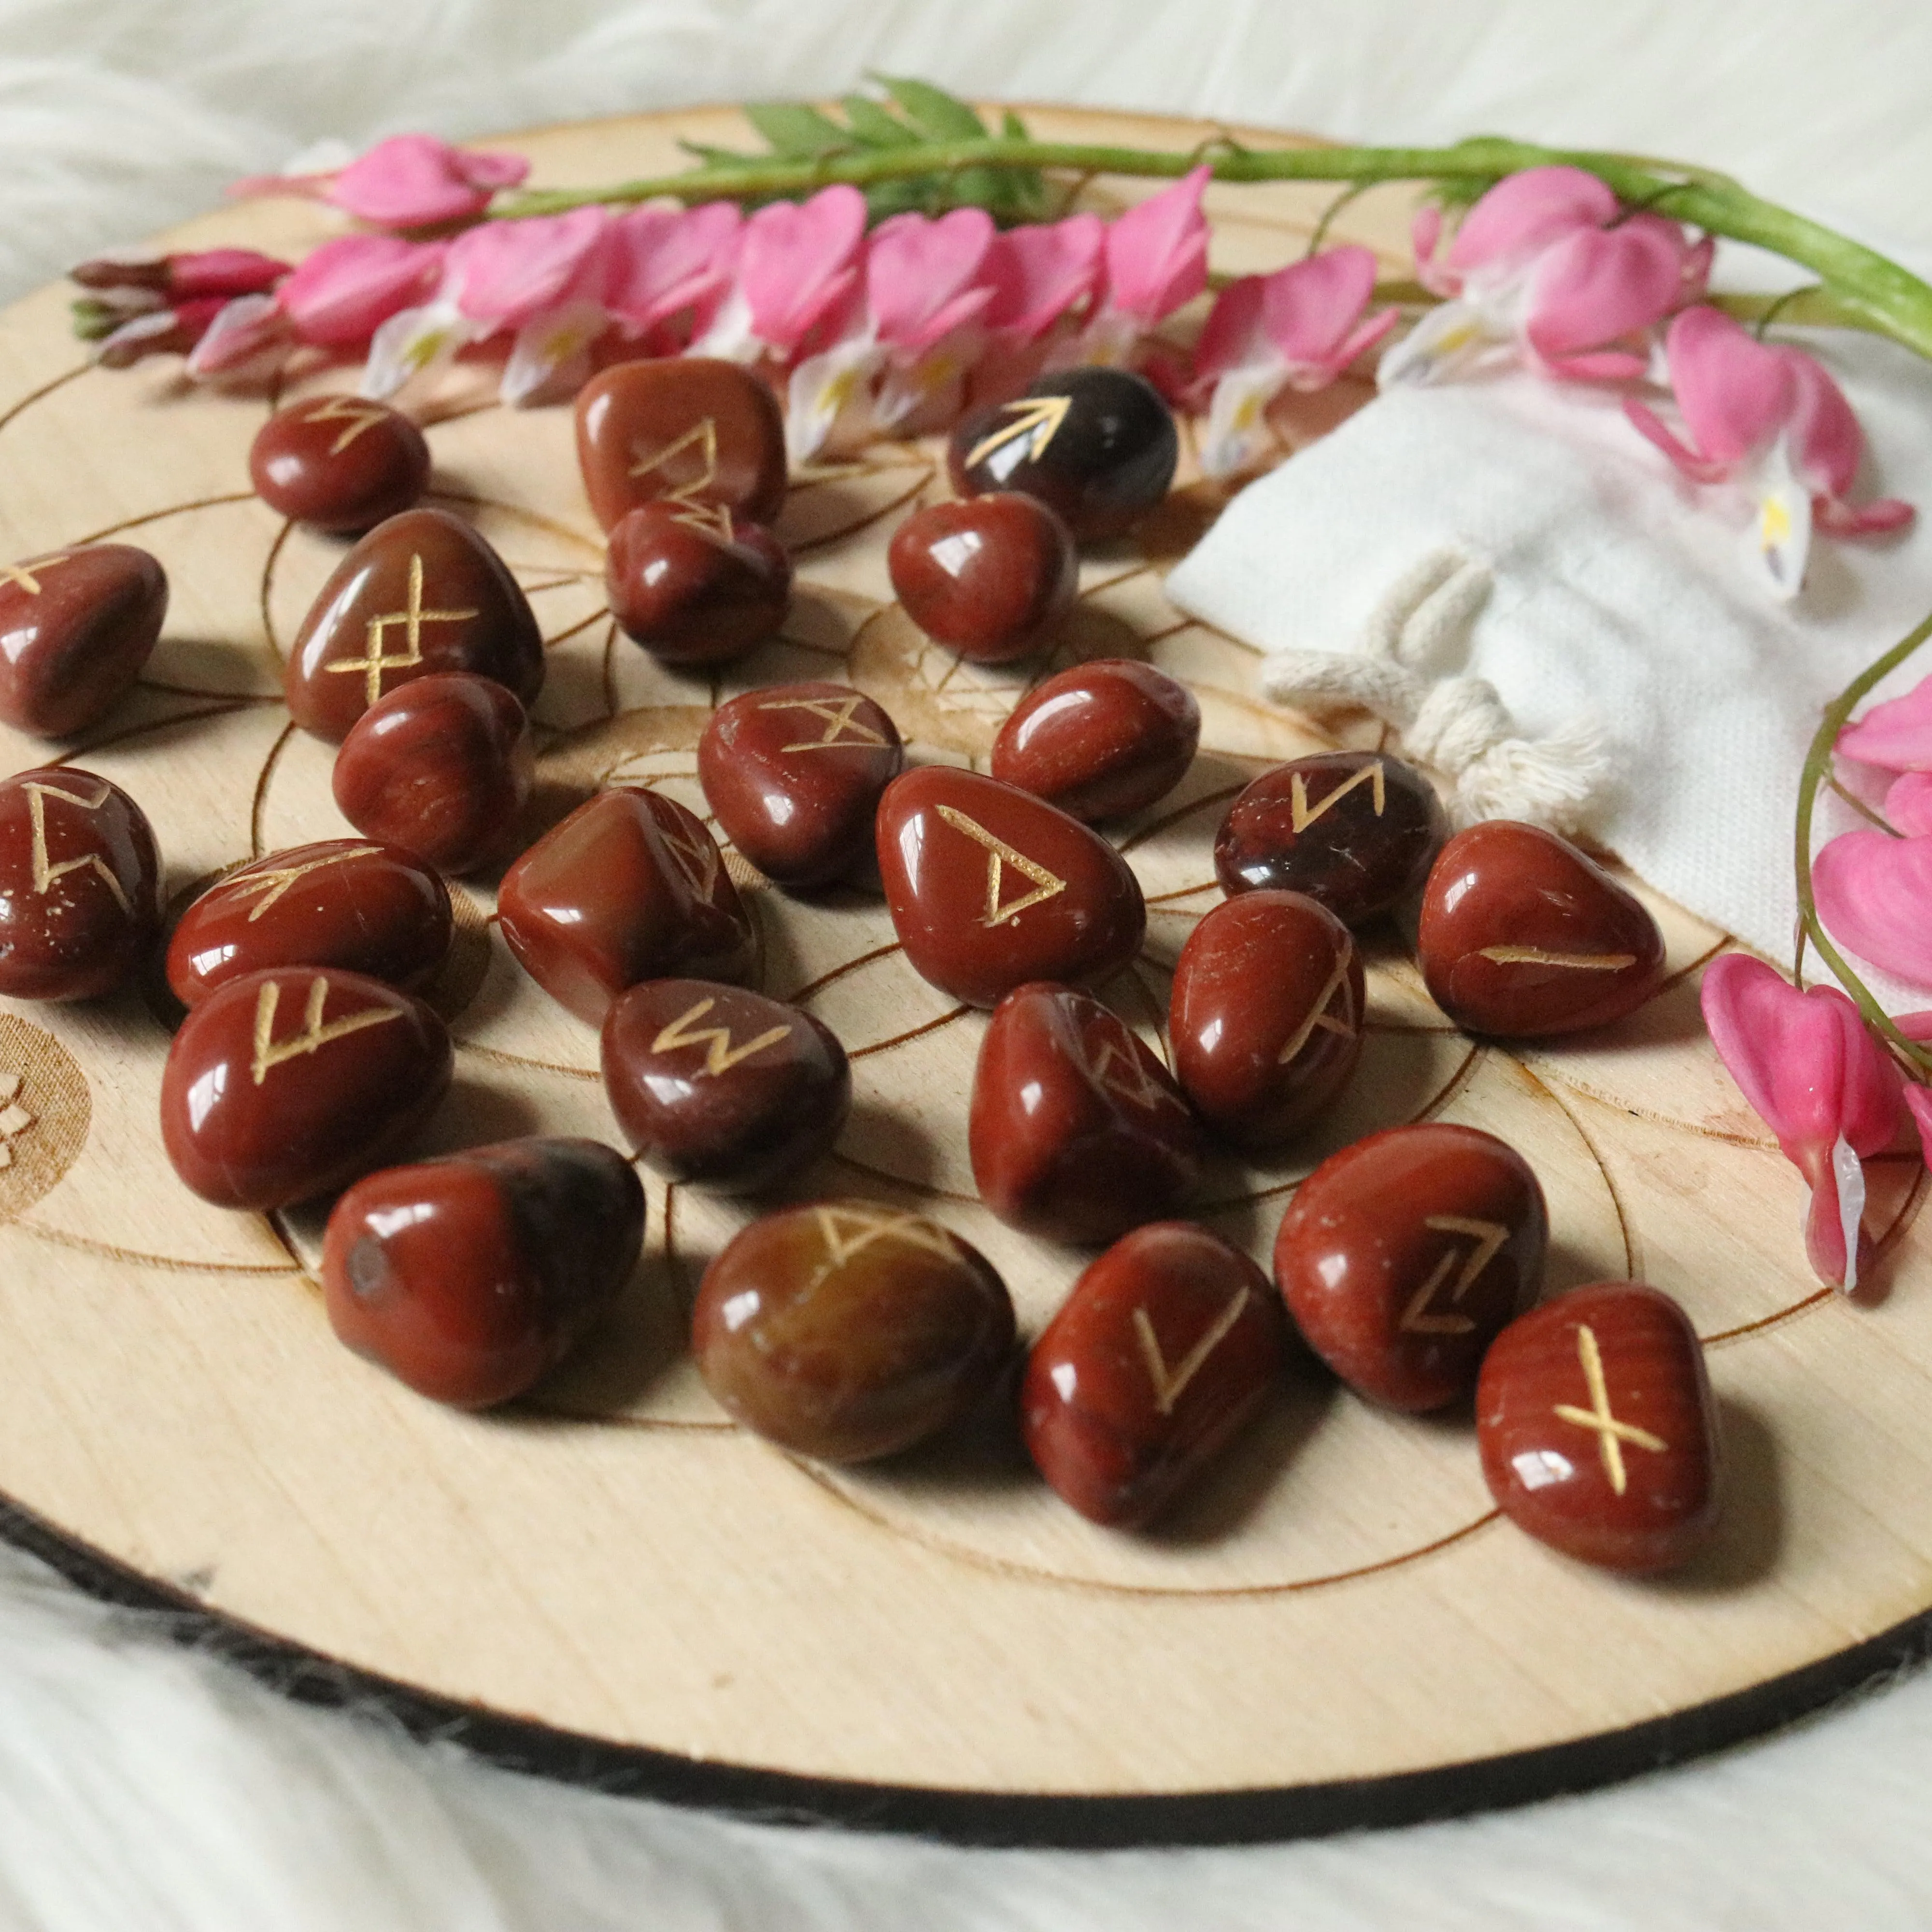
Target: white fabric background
pixel 143 1788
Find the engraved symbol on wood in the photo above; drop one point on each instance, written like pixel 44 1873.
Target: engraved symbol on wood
pixel 14 1118
pixel 412 617
pixel 1301 816
pixel 721 1056
pixel 1118 1069
pixel 999 856
pixel 272 885
pixel 694 855
pixel 1534 955
pixel 45 872
pixel 838 720
pixel 28 575
pixel 1039 417
pixel 1318 1014
pixel 1168 1383
pixel 1488 1237
pixel 269 1052
pixel 847 1231
pixel 1612 1434
pixel 352 410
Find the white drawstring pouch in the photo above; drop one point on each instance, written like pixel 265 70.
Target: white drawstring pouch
pixel 1566 631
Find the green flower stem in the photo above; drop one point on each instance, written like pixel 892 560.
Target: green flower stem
pixel 1862 285
pixel 1817 768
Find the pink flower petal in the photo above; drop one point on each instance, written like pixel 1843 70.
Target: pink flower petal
pixel 923 278
pixel 1157 252
pixel 1232 336
pixel 1826 442
pixel 1597 288
pixel 222 271
pixel 505 272
pixel 663 259
pixel 412 180
pixel 243 331
pixel 1310 308
pixel 1646 419
pixel 1897 734
pixel 343 291
pixel 1041 272
pixel 1908 803
pixel 1874 895
pixel 1919 1099
pixel 1425 236
pixel 799 262
pixel 1526 212
pixel 1734 394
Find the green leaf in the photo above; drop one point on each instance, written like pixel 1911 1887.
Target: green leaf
pixel 797 132
pixel 718 157
pixel 931 110
pixel 875 126
pixel 1013 126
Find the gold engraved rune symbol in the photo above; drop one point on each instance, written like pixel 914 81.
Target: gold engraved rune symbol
pixel 721 1056
pixel 1318 1014
pixel 999 856
pixel 1168 1383
pixel 1039 417
pixel 314 1035
pixel 1488 1237
pixel 702 436
pixel 847 1231
pixel 412 618
pixel 45 872
pixel 1611 1434
pixel 358 414
pixel 1300 815
pixel 694 855
pixel 1534 955
pixel 24 574
pixel 839 720
pixel 1117 1069
pixel 272 885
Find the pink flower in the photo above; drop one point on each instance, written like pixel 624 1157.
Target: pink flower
pixel 409 180
pixel 188 277
pixel 1874 894
pixel 1546 270
pixel 1039 273
pixel 1897 734
pixel 1908 805
pixel 1807 1065
pixel 1771 420
pixel 665 262
pixel 1156 262
pixel 798 268
pixel 1297 328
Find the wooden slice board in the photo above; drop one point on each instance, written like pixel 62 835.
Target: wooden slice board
pixel 609 1580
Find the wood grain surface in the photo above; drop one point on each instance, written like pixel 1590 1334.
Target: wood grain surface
pixel 1335 1625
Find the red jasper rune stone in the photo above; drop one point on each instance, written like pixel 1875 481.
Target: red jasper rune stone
pixel 348 903
pixel 1266 1017
pixel 1168 1344
pixel 988 887
pixel 287 1083
pixel 849 1329
pixel 689 428
pixel 441 766
pixel 79 896
pixel 720 1087
pixel 421 593
pixel 1354 830
pixel 340 463
pixel 76 628
pixel 1402 1257
pixel 1595 1421
pixel 469 1276
pixel 630 886
pixel 1078 1132
pixel 1522 935
pixel 985 576
pixel 794 773
pixel 1100 740
pixel 693 584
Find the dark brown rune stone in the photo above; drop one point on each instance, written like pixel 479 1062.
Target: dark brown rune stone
pixel 339 462
pixel 76 628
pixel 695 583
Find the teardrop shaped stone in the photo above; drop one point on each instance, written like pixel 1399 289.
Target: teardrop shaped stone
pixel 76 628
pixel 420 593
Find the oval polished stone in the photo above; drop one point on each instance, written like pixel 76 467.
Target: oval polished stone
pixel 470 1275
pixel 1402 1256
pixel 988 887
pixel 442 767
pixel 986 576
pixel 79 885
pixel 1522 935
pixel 287 1083
pixel 1077 1132
pixel 421 593
pixel 1168 1344
pixel 689 428
pixel 631 886
pixel 340 463
pixel 346 903
pixel 76 628
pixel 1097 446
pixel 849 1329
pixel 722 1087
pixel 1100 740
pixel 1266 1016
pixel 1595 1424
pixel 794 773
pixel 1354 830
pixel 695 585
